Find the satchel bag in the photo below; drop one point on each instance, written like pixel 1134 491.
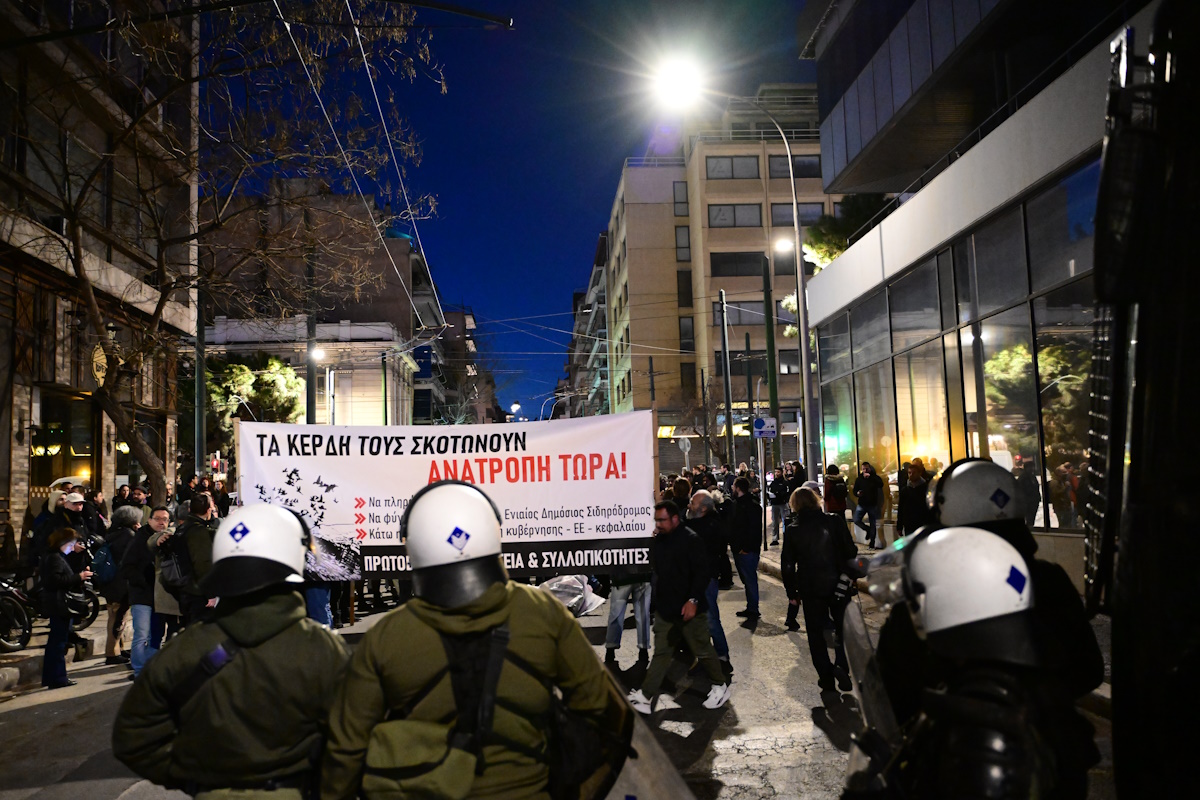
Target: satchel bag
pixel 172 572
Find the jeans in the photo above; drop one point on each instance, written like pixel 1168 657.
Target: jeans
pixel 777 521
pixel 872 514
pixel 747 567
pixel 316 600
pixel 715 630
pixel 618 598
pixel 54 662
pixel 145 644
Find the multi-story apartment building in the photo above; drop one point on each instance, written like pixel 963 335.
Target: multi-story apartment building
pixel 90 192
pixel 683 229
pixel 960 324
pixel 585 390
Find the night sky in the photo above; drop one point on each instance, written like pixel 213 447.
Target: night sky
pixel 524 152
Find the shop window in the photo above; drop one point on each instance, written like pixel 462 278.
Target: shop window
pixel 1063 323
pixel 913 303
pixel 999 390
pixel 837 416
pixel 1062 226
pixel 833 346
pixel 875 417
pixel 869 330
pixel 1000 275
pixel 921 420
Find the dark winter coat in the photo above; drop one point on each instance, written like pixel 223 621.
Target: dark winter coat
pixel 914 511
pixel 869 490
pixel 714 533
pixel 746 527
pixel 118 541
pixel 137 568
pixel 815 547
pixel 682 571
pixel 58 578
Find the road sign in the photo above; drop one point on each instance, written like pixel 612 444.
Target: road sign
pixel 764 428
pixel 685 444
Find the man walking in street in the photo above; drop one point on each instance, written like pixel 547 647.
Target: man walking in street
pixel 746 537
pixel 868 489
pixel 682 572
pixel 703 519
pixel 778 492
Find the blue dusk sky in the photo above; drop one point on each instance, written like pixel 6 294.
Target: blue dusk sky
pixel 524 152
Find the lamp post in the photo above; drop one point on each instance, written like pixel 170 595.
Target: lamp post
pixel 514 408
pixel 678 84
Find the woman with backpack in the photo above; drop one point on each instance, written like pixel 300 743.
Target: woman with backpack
pixel 112 585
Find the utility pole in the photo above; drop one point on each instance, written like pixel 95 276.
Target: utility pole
pixel 749 401
pixel 383 357
pixel 729 459
pixel 772 369
pixel 310 273
pixel 704 411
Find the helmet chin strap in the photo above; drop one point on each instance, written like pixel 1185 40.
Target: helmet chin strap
pixel 459 584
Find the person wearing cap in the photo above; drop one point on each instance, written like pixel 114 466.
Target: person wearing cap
pixel 401 671
pixel 236 706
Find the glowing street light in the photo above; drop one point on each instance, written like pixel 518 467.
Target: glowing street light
pixel 678 84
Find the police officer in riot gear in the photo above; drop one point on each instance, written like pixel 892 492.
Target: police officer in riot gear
pixel 427 664
pixel 1000 668
pixel 236 706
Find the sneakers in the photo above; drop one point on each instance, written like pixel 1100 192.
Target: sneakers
pixel 639 701
pixel 718 695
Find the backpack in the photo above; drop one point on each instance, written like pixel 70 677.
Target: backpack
pixel 838 489
pixel 104 568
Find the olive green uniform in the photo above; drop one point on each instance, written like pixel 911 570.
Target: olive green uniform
pixel 403 654
pixel 260 719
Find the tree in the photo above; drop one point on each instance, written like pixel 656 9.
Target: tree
pixel 137 144
pixel 830 236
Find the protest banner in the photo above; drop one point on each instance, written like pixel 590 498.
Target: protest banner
pixel 576 496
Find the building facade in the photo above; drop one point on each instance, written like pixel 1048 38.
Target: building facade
pixel 86 205
pixel 961 324
pixel 682 230
pixel 584 392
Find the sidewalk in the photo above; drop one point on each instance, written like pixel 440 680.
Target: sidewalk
pixel 1099 702
pixel 21 671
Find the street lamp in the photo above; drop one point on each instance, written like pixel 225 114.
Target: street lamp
pixel 678 83
pixel 514 408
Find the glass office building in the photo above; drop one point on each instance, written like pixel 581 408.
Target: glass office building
pixel 981 349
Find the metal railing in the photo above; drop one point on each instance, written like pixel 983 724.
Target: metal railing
pixel 793 134
pixel 655 161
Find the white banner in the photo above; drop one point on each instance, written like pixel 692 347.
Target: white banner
pixel 576 496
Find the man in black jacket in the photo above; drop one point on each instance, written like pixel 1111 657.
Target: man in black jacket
pixel 914 512
pixel 137 568
pixel 746 535
pixel 703 519
pixel 681 570
pixel 869 489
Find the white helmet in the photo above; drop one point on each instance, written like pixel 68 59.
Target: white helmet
pixel 452 532
pixel 970 594
pixel 974 491
pixel 257 546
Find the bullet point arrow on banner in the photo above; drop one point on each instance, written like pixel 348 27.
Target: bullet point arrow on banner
pixel 359 502
pixel 361 533
pixel 359 519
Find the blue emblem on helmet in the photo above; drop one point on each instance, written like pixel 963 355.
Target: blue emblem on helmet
pixel 1016 579
pixel 1000 498
pixel 239 532
pixel 458 539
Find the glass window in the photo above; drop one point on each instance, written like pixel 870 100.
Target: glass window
pixel 781 213
pixel 687 335
pixel 681 198
pixel 802 166
pixel 954 397
pixel 837 417
pixel 1000 275
pixel 683 288
pixel 783 316
pixel 921 420
pixel 964 278
pixel 789 362
pixel 945 267
pixel 1063 320
pixel 869 330
pixel 729 215
pixel 736 265
pixel 1062 225
pixel 833 346
pixel 687 380
pixel 1001 401
pixel 785 263
pixel 913 301
pixel 741 312
pixel 683 243
pixel 726 167
pixel 875 414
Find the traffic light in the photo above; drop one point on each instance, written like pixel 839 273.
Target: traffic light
pixel 214 461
